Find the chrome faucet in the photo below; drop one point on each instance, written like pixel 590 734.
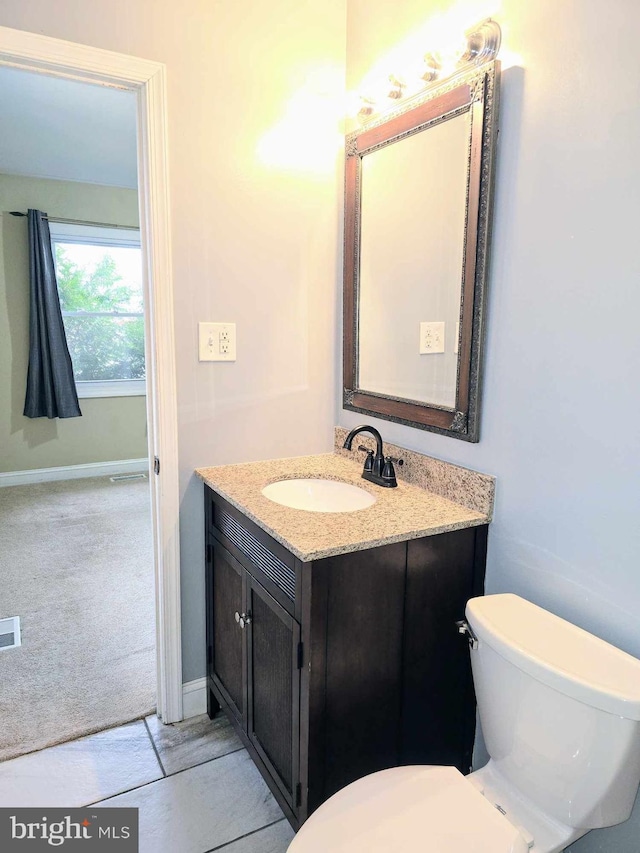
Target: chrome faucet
pixel 379 468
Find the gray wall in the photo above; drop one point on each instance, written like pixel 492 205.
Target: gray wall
pixel 255 185
pixel 561 407
pixel 110 427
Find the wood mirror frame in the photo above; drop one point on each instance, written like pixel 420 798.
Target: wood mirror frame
pixel 474 92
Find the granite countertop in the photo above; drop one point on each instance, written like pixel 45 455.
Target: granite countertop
pixel 406 512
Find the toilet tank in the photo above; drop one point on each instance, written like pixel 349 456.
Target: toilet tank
pixel 560 711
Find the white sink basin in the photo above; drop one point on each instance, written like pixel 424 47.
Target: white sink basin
pixel 316 495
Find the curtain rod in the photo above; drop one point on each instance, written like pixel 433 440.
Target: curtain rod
pixel 80 222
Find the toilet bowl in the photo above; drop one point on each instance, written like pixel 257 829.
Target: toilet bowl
pixel 560 714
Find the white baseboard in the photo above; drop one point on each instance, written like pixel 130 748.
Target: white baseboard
pixel 74 472
pixel 194 698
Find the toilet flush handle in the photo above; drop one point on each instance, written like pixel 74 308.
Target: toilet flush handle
pixel 465 628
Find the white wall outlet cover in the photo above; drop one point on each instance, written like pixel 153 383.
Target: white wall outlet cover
pixel 217 341
pixel 431 337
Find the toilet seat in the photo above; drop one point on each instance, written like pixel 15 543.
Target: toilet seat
pixel 426 808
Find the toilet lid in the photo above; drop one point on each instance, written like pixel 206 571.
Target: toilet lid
pixel 422 808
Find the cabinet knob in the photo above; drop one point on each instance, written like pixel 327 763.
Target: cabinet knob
pixel 242 620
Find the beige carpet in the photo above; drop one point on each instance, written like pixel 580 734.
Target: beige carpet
pixel 76 566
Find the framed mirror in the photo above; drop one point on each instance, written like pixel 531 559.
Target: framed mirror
pixel 418 187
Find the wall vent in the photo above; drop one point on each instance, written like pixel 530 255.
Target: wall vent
pixel 119 477
pixel 10 633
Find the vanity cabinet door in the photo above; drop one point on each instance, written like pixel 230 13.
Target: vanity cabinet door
pixel 227 647
pixel 273 661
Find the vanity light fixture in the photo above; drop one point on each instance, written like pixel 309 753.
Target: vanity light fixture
pixel 481 44
pixel 432 67
pixel 397 87
pixel 367 108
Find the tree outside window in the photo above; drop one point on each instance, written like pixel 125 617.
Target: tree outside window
pixel 100 288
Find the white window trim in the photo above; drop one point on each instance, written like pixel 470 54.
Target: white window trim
pixel 94 235
pixel 112 388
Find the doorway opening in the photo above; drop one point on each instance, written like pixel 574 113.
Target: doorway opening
pixel 139 358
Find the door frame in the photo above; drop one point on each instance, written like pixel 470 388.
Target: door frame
pixel 55 57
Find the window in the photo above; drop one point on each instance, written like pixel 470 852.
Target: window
pixel 99 273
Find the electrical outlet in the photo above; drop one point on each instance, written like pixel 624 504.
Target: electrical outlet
pixel 217 341
pixel 431 338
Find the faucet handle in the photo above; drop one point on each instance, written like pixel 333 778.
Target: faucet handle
pixel 393 459
pixel 389 472
pixel 368 462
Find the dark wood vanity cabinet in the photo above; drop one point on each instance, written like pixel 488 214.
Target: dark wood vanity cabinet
pixel 339 667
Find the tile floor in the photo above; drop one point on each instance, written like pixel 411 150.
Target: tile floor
pixel 194 783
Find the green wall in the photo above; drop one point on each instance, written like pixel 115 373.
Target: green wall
pixel 111 427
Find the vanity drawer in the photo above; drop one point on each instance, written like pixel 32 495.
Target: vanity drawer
pixel 268 561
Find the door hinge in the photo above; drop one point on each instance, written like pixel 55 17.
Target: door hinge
pixel 156 465
pixel 300 655
pixel 298 794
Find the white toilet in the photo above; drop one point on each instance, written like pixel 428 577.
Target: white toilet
pixel 560 714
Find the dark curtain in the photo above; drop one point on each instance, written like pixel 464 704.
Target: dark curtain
pixel 51 389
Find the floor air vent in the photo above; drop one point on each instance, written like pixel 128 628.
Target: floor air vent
pixel 9 633
pixel 119 477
